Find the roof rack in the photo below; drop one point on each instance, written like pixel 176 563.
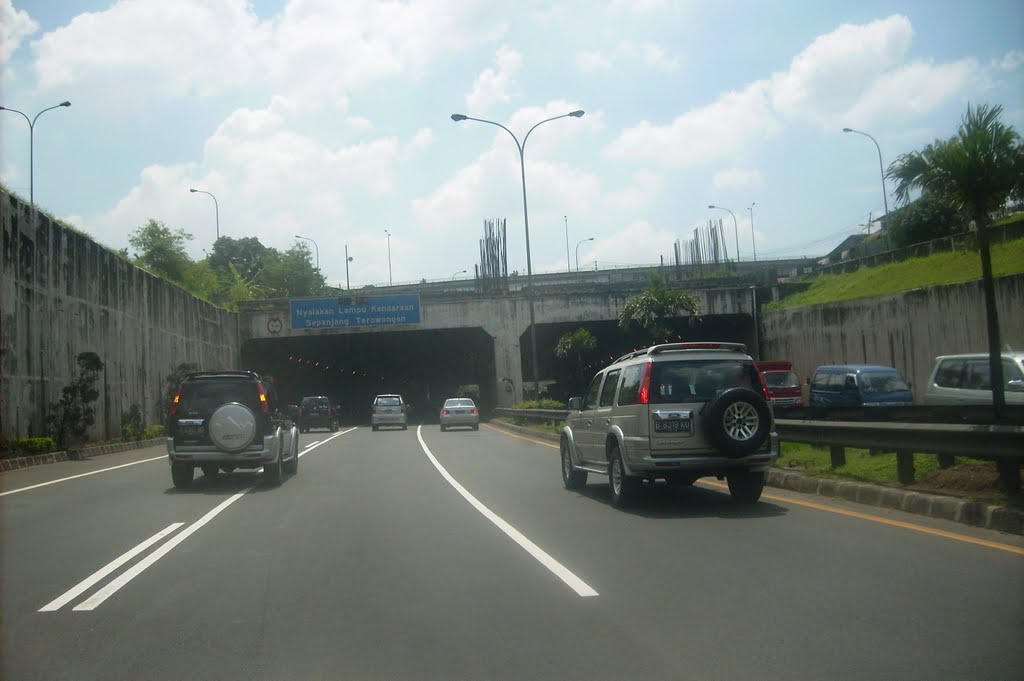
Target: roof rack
pixel 700 345
pixel 229 372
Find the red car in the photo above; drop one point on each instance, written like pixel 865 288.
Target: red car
pixel 784 388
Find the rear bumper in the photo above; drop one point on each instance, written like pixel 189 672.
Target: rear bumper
pixel 253 456
pixel 388 420
pixel 704 463
pixel 460 420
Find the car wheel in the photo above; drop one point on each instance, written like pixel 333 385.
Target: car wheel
pixel 405 427
pixel 272 472
pixel 443 429
pixel 624 488
pixel 745 487
pixel 571 477
pixel 375 428
pixel 738 421
pixel 211 471
pixel 476 426
pixel 181 474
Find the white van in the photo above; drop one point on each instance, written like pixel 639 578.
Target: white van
pixel 964 379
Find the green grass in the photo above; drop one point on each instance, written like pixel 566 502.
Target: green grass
pixel 935 270
pixel 860 463
pixel 549 427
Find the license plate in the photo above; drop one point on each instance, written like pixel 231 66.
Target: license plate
pixel 672 426
pixel 460 411
pixel 191 430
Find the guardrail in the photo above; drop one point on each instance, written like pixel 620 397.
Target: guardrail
pixel 1003 444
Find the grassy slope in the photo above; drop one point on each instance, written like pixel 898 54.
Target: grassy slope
pixel 935 270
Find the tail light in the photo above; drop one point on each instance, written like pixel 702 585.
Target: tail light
pixel 472 411
pixel 764 387
pixel 445 412
pixel 264 405
pixel 175 402
pixel 644 394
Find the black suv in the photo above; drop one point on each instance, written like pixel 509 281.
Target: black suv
pixel 316 411
pixel 221 420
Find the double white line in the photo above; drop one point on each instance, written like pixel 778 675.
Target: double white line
pixel 128 575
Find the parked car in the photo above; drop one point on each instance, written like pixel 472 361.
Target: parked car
pixel 965 379
pixel 388 410
pixel 784 388
pixel 679 412
pixel 459 411
pixel 859 385
pixel 220 421
pixel 316 411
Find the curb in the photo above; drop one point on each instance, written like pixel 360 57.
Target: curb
pixel 963 511
pixel 82 454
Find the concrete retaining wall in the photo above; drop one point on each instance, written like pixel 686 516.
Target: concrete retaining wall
pixel 906 330
pixel 62 294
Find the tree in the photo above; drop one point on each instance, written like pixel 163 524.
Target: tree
pixel 977 169
pixel 161 250
pixel 248 256
pixel 291 274
pixel 930 217
pixel 575 347
pixel 655 305
pixel 71 416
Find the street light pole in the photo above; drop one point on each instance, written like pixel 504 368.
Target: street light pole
pixel 216 207
pixel 348 286
pixel 568 263
pixel 752 241
pixel 735 228
pixel 881 167
pixel 306 238
pixel 457 274
pixel 31 148
pixel 578 251
pixel 526 224
pixel 389 257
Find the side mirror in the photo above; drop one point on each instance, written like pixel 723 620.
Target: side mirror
pixel 1015 385
pixel 575 403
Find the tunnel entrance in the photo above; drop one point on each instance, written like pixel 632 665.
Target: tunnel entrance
pixel 558 378
pixel 425 367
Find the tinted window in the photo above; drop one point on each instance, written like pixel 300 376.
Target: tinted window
pixel 950 373
pixel 629 392
pixel 590 400
pixel 820 381
pixel 882 382
pixel 205 395
pixel 388 401
pixel 459 402
pixel 781 379
pixel 1012 370
pixel 608 394
pixel 699 380
pixel 834 382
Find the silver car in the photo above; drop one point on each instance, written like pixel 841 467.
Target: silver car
pixel 460 411
pixel 965 379
pixel 389 410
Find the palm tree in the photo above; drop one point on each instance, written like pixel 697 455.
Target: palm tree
pixel 978 169
pixel 655 305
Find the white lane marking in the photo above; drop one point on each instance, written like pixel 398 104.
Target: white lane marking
pixel 130 574
pixel 314 445
pixel 80 475
pixel 559 570
pixel 80 588
pixel 315 442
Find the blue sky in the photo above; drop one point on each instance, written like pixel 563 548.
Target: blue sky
pixel 331 120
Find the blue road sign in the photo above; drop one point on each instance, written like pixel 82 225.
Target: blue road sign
pixel 350 312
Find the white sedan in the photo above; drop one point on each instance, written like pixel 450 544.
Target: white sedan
pixel 460 411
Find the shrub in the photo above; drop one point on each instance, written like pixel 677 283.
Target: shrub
pixel 540 404
pixel 35 445
pixel 152 432
pixel 70 417
pixel 131 424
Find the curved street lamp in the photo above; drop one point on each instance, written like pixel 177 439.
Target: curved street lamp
pixel 735 228
pixel 526 221
pixel 390 283
pixel 347 261
pixel 578 251
pixel 458 273
pixel 881 168
pixel 306 238
pixel 752 241
pixel 31 147
pixel 216 207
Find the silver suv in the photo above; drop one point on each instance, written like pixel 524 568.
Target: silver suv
pixel 389 410
pixel 965 379
pixel 678 412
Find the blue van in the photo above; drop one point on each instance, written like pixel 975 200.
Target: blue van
pixel 859 385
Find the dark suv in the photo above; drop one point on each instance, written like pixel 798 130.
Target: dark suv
pixel 317 412
pixel 221 420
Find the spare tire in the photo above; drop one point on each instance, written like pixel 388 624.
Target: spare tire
pixel 738 421
pixel 232 427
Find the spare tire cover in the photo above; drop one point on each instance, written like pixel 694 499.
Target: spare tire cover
pixel 738 421
pixel 232 427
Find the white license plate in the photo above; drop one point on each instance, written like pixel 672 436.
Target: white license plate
pixel 672 426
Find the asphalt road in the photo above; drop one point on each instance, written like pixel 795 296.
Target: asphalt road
pixel 381 561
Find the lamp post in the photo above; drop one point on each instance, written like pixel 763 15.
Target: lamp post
pixel 752 241
pixel 568 263
pixel 216 207
pixel 31 148
pixel 348 286
pixel 578 251
pixel 526 222
pixel 457 274
pixel 735 227
pixel 306 238
pixel 389 257
pixel 881 168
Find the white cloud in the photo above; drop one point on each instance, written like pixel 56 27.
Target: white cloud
pixel 655 56
pixel 358 124
pixel 588 62
pixel 735 178
pixel 15 26
pixel 421 141
pixel 639 243
pixel 908 91
pixel 1010 61
pixel 640 6
pixel 638 196
pixel 494 85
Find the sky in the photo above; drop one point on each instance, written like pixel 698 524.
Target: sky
pixel 332 120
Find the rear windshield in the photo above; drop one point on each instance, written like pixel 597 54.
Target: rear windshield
pixel 459 402
pixel 882 382
pixel 781 379
pixel 699 380
pixel 388 401
pixel 205 395
pixel 316 402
